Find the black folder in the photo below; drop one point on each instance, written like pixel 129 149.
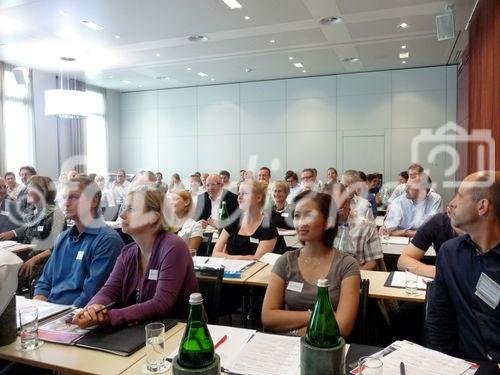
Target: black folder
pixel 122 341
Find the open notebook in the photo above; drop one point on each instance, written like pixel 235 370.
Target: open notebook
pixel 45 309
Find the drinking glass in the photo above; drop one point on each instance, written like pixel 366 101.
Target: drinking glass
pixel 28 320
pixel 411 280
pixel 370 366
pixel 155 348
pixel 385 236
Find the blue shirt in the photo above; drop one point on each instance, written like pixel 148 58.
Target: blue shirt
pixel 80 264
pixel 406 214
pixel 458 321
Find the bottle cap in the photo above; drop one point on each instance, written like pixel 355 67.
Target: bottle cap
pixel 195 299
pixel 323 283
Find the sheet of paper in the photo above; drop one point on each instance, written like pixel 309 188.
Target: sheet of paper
pixel 399 240
pixel 229 349
pixel 422 361
pixel 267 354
pixel 269 258
pixel 287 232
pixel 7 244
pixel 230 265
pixel 399 281
pixel 45 309
pixel 58 330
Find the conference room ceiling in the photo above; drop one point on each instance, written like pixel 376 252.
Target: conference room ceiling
pixel 144 44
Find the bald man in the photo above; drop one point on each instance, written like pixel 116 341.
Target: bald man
pixel 464 310
pixel 209 203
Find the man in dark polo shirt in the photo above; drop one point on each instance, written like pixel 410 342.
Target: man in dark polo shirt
pixel 436 231
pixel 463 317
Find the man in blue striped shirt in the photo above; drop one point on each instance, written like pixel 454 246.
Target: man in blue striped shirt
pixel 84 255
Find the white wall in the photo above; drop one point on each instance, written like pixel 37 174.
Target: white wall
pixel 364 121
pixel 113 129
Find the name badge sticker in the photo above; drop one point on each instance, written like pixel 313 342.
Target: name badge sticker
pixel 284 214
pixel 79 255
pixel 488 290
pixel 295 286
pixel 4 213
pixel 254 240
pixel 153 275
pixel 39 228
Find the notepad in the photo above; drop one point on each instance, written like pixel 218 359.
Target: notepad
pixel 399 240
pixel 233 268
pixel 269 258
pixel 45 309
pixel 397 279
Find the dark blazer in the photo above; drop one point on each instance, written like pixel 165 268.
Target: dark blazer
pixel 204 204
pixel 7 210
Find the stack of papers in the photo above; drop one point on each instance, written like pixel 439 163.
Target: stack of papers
pixel 232 267
pixel 399 240
pixel 8 245
pixel 420 361
pixel 269 258
pixel 287 232
pixel 45 309
pixel 253 353
pixel 397 279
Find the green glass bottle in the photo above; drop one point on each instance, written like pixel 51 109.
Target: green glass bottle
pixel 223 215
pixel 197 348
pixel 323 330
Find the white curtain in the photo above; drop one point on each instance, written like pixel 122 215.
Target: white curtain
pixel 96 134
pixel 2 132
pixel 18 122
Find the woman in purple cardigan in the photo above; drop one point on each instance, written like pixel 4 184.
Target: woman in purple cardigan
pixel 153 277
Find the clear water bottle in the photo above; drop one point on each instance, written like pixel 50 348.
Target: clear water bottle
pixel 342 243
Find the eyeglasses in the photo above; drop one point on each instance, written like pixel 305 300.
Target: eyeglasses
pixel 212 185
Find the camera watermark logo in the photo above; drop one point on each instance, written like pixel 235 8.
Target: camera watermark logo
pixel 444 140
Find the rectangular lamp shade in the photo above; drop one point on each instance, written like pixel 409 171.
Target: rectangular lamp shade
pixel 66 103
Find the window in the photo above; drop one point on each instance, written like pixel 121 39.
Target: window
pixel 18 122
pixel 96 134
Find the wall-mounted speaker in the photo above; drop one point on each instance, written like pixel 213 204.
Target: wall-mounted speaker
pixel 445 25
pixel 22 75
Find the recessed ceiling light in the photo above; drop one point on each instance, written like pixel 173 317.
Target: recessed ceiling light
pixel 298 65
pixel 404 55
pixel 304 71
pixel 93 25
pixel 248 70
pixel 197 38
pixel 139 86
pixel 125 81
pixel 166 78
pixel 403 25
pixel 349 59
pixel 188 68
pixel 157 55
pixel 290 58
pixel 201 74
pixel 233 4
pixel 117 36
pixel 62 11
pixel 67 58
pixel 330 20
pixel 247 17
pixel 110 77
pixel 403 62
pixel 403 46
pixel 272 41
pixel 212 79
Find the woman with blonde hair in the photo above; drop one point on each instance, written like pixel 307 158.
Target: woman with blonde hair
pixel 251 236
pixel 153 277
pixel 185 226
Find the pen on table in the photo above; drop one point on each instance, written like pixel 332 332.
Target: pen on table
pixel 402 368
pixel 220 342
pixel 207 261
pixel 69 319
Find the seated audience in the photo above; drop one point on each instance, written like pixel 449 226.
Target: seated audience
pixel 195 188
pixel 86 252
pixel 363 239
pixel 463 317
pixel 153 277
pixel 292 290
pixel 144 177
pixel 159 183
pixel 226 181
pixel 107 196
pixel 281 212
pixel 408 212
pixel 209 203
pixel 6 206
pixel 120 186
pixel 250 237
pixel 436 231
pixel 293 182
pixel 309 181
pixel 41 227
pixel 25 173
pixel 175 182
pixel 364 191
pixel 388 187
pixel 189 230
pixel 413 171
pixel 360 206
pixel 13 187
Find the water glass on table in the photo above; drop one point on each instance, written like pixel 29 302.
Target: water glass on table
pixel 28 321
pixel 370 366
pixel 385 236
pixel 155 348
pixel 411 280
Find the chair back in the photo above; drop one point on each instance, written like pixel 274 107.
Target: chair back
pixel 428 297
pixel 210 286
pixel 206 247
pixel 359 332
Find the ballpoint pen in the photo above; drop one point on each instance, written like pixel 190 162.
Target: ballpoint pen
pixel 69 319
pixel 402 370
pixel 220 342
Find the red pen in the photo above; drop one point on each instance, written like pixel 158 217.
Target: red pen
pixel 221 341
